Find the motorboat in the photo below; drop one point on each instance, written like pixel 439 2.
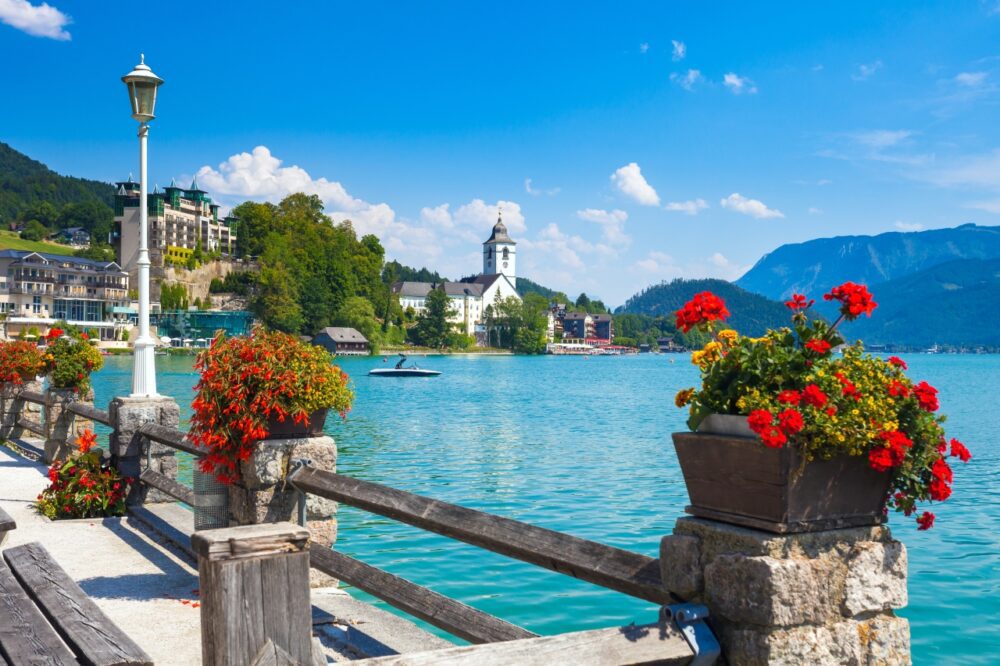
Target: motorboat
pixel 400 371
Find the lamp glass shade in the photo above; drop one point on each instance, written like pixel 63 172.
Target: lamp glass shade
pixel 142 85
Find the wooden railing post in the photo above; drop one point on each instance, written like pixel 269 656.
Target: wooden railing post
pixel 254 588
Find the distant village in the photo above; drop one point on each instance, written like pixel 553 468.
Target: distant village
pixel 39 288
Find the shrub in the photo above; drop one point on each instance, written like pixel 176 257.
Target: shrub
pixel 83 486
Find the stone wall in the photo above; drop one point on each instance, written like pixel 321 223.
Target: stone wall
pixel 815 598
pixel 127 416
pixel 198 280
pixel 61 425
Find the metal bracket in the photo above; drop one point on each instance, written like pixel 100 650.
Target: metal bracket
pixel 298 464
pixel 690 621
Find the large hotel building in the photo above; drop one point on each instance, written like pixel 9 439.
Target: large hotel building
pixel 180 221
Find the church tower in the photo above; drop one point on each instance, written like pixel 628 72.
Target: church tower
pixel 498 253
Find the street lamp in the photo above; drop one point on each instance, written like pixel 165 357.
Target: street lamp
pixel 142 85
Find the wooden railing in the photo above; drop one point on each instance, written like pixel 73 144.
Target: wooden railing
pixel 499 641
pixel 90 412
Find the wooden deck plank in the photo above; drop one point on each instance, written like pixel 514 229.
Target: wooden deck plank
pixel 25 634
pixel 95 638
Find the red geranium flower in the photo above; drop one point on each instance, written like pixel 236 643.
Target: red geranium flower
pixel 813 395
pixel 926 396
pixel 898 362
pixel 791 421
pixel 939 490
pixel 898 389
pixel 773 438
pixel 790 397
pixel 941 470
pixel 959 451
pixel 855 300
pixel 818 346
pixel 760 420
pixel 703 308
pixel 926 520
pixel 798 302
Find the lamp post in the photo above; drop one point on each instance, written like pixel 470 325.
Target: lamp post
pixel 142 85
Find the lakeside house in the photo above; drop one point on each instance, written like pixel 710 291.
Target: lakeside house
pixel 468 299
pixel 342 341
pixel 37 289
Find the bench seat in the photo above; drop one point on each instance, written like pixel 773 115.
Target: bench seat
pixel 56 607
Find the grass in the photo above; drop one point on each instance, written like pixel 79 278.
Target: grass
pixel 9 240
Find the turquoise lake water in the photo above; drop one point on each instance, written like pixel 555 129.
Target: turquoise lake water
pixel 582 445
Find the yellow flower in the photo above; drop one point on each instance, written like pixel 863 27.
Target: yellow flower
pixel 729 337
pixel 698 358
pixel 683 397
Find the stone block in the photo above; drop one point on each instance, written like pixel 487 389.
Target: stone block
pixel 272 458
pixel 63 426
pixel 768 591
pixel 268 505
pixel 876 578
pixel 885 640
pixel 680 565
pixel 836 644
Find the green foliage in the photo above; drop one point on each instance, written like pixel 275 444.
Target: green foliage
pixel 752 314
pixel 358 313
pixel 526 286
pixel 70 358
pixel 34 231
pixel 97 253
pixel 433 329
pixel 173 296
pixel 240 283
pixel 83 486
pixel 397 272
pixel 309 266
pixel 518 325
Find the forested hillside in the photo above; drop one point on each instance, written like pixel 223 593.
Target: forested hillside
pixel 30 192
pixel 751 314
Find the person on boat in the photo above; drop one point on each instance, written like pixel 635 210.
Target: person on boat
pixel 402 360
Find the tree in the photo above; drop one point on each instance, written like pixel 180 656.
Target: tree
pixel 358 313
pixel 34 231
pixel 97 253
pixel 276 302
pixel 432 325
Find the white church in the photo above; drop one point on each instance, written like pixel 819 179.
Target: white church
pixel 469 299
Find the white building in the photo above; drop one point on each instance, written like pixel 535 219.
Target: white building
pixel 469 299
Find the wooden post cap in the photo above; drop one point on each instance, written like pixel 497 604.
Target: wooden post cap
pixel 231 543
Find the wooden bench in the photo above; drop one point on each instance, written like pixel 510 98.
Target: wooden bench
pixel 45 618
pixel 6 525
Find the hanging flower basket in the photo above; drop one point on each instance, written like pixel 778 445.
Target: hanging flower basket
pixel 278 429
pixel 790 437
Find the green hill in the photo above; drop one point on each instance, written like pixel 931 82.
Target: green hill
pixel 526 286
pixel 24 182
pixel 751 314
pixel 956 303
pixel 11 241
pixel 815 266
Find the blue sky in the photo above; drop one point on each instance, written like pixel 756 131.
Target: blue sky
pixel 626 142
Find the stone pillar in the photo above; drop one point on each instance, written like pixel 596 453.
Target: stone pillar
pixel 127 416
pixel 263 496
pixel 821 597
pixel 62 425
pixel 13 408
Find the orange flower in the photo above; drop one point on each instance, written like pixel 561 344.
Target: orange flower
pixel 86 441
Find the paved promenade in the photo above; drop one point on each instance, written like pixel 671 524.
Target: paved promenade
pixel 150 589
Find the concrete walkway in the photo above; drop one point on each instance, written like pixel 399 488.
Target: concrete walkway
pixel 149 587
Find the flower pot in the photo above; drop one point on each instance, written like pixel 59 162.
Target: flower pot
pixel 736 479
pixel 289 428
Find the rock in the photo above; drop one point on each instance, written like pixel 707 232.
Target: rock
pixel 876 578
pixel 680 565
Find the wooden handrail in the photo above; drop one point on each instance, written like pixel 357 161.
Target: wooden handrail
pixel 453 616
pixel 167 485
pixel 32 426
pixel 89 412
pixel 614 568
pixel 32 396
pixel 171 437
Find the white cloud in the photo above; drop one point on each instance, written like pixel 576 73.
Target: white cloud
pixel 679 50
pixel 988 206
pixel 439 216
pixel 865 72
pixel 612 224
pixel 739 84
pixel 687 81
pixel 480 215
pixel 690 207
pixel 881 138
pixel 908 226
pixel 630 182
pixel 752 207
pixel 815 211
pixel 971 171
pixel 662 265
pixel 644 47
pixel 534 191
pixel 42 20
pixel 971 79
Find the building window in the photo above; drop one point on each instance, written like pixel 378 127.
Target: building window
pixel 36 304
pixel 506 254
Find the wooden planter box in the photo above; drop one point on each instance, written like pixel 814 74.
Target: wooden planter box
pixel 289 428
pixel 738 480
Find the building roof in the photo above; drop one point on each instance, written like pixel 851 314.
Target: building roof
pixel 463 288
pixel 59 259
pixel 500 234
pixel 342 334
pixel 412 289
pixel 601 317
pixel 576 315
pixel 421 289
